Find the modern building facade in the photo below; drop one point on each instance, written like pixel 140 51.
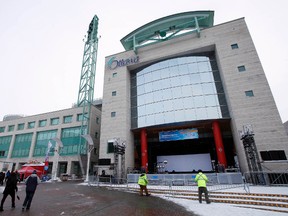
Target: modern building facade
pixel 25 140
pixel 183 92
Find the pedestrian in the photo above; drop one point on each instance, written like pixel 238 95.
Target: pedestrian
pixel 201 180
pixel 10 189
pixel 143 182
pixel 2 177
pixel 7 175
pixel 31 184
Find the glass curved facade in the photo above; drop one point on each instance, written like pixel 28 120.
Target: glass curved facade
pixel 181 89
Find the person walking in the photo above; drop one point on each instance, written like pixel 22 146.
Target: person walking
pixel 201 180
pixel 31 184
pixel 10 189
pixel 143 182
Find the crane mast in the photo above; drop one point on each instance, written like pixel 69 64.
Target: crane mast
pixel 87 78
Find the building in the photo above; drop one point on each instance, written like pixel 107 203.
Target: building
pixel 286 126
pixel 25 140
pixel 182 94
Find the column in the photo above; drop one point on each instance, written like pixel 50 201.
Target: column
pixel 219 143
pixel 144 154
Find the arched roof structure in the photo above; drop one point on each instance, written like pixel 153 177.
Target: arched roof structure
pixel 168 27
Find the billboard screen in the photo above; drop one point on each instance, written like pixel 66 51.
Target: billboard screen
pixel 178 135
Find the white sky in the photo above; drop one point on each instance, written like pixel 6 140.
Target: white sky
pixel 41 45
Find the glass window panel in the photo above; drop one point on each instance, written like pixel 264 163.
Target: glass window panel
pixel 193 68
pixel 149 98
pixel 182 69
pixel 199 101
pixel 168 105
pixel 186 91
pixel 197 89
pixel 185 80
pixel 249 93
pixel 140 80
pixel 150 120
pixel 206 77
pixel 159 118
pixel 140 89
pixel 148 77
pixel 157 95
pixel 141 121
pixel 203 67
pixel 212 112
pixel 149 109
pixel 148 87
pixel 169 117
pixel 211 100
pixel 209 88
pixel 141 110
pixel 175 81
pixel 179 115
pixel 158 107
pixel 190 114
pixel 167 94
pixel 156 75
pixel 176 92
pixel 157 85
pixel 188 103
pixel 165 74
pixel 201 113
pixel 195 78
pixel 141 100
pixel 178 104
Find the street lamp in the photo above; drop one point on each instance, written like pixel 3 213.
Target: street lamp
pixel 89 140
pixel 59 145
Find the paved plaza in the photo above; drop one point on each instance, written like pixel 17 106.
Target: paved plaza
pixel 72 198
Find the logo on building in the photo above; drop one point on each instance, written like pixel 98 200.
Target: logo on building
pixel 113 63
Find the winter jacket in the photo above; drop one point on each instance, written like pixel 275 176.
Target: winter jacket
pixel 201 179
pixel 11 184
pixel 143 179
pixel 31 183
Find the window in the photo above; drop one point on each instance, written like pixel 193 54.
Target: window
pixel 234 46
pixel 273 155
pixel 114 93
pixel 31 125
pixel 249 93
pixel 114 74
pixel 2 129
pixel 42 123
pixel 113 114
pixel 241 68
pixel 110 147
pixel 54 121
pixel 11 128
pixel 80 117
pixel 96 135
pixel 20 126
pixel 67 119
pixel 97 120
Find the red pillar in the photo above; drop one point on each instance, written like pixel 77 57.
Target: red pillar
pixel 144 154
pixel 219 143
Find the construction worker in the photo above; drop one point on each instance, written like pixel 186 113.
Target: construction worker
pixel 201 180
pixel 143 182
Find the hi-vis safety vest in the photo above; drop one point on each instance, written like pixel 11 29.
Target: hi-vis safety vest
pixel 201 179
pixel 143 179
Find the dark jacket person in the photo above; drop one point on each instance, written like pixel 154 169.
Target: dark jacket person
pixel 31 184
pixel 10 189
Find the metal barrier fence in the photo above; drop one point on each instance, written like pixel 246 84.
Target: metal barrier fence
pixel 173 182
pixel 279 178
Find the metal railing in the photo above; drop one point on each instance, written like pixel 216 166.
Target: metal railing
pixel 268 178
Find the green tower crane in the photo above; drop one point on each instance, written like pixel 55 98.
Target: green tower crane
pixel 87 79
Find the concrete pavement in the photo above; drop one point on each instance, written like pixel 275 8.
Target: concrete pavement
pixel 71 198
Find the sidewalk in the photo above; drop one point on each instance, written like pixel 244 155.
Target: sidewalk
pixel 70 198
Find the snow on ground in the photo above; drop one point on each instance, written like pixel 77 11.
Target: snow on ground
pixel 224 209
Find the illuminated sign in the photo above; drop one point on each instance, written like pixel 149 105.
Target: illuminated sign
pixel 178 135
pixel 113 63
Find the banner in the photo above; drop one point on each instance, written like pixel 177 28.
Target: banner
pixel 47 156
pixel 178 135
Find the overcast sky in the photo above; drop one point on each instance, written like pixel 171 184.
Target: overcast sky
pixel 41 45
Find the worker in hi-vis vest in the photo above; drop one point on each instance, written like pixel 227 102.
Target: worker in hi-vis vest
pixel 143 182
pixel 201 180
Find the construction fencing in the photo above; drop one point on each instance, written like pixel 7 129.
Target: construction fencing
pixel 279 178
